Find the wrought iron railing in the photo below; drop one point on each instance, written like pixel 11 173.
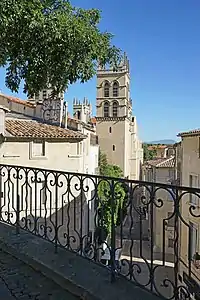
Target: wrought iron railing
pixel 143 231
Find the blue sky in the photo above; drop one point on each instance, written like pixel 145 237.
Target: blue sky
pixel 162 40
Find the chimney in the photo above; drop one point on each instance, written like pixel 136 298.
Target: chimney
pixel 65 114
pixel 3 111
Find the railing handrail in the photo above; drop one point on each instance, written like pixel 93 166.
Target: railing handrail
pixel 124 180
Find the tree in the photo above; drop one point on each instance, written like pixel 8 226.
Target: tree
pixel 51 43
pixel 148 154
pixel 111 194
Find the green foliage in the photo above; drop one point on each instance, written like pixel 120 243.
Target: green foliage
pixel 111 194
pixel 148 154
pixel 50 42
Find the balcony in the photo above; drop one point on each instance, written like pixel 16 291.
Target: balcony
pixel 121 225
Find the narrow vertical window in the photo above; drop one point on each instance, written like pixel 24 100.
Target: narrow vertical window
pixel 115 109
pixel 113 147
pixel 110 129
pixel 115 89
pixel 199 148
pixel 106 109
pixel 106 89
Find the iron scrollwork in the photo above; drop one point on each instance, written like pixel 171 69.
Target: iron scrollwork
pixel 134 228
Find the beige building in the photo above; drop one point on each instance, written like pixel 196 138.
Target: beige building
pixel 33 137
pixel 190 212
pixel 162 170
pixel 116 127
pixel 162 151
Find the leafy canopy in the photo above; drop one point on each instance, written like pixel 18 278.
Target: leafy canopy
pixel 111 194
pixel 50 42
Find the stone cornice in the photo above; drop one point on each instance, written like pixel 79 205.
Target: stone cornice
pixel 107 119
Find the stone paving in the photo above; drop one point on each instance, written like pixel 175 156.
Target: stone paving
pixel 20 281
pixel 79 276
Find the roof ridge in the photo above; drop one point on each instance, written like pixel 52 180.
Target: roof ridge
pixel 165 160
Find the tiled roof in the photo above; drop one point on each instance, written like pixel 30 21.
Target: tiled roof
pixel 189 133
pixel 93 120
pixel 161 162
pixel 155 147
pixel 33 129
pixel 17 100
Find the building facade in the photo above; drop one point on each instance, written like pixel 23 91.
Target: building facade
pixel 36 137
pixel 190 213
pixel 116 127
pixel 162 170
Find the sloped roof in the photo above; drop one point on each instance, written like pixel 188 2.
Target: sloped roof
pixel 161 162
pixel 17 100
pixel 155 147
pixel 189 133
pixel 34 129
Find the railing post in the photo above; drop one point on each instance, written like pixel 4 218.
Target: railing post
pixel 112 250
pixel 18 215
pixel 56 213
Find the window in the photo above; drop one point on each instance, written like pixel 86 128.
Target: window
pixel 106 109
pixel 38 148
pixel 44 94
pixel 106 89
pixel 79 148
pixel 193 182
pixel 110 129
pixel 115 109
pixel 170 222
pixel 37 96
pixel 170 243
pixel 113 147
pixel 115 89
pixel 193 239
pixel 199 147
pixel 78 114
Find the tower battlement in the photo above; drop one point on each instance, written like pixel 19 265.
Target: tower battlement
pixel 121 68
pixel 82 110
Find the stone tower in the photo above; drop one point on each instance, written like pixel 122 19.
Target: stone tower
pixel 82 110
pixel 116 127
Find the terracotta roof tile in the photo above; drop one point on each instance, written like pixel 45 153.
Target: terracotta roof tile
pixel 189 133
pixel 17 100
pixel 33 129
pixel 155 147
pixel 161 162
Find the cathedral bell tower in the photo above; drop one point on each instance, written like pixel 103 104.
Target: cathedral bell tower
pixel 114 114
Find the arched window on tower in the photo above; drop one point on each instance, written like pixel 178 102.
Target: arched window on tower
pixel 115 109
pixel 106 89
pixel 106 109
pixel 115 89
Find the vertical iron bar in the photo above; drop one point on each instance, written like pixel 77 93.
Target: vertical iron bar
pixel 176 243
pixel 81 219
pixel 18 214
pixel 17 204
pixel 56 212
pixel 112 251
pixel 152 234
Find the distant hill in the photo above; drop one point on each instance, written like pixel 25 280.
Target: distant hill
pixel 165 142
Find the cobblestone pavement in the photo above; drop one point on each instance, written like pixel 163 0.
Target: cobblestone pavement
pixel 20 281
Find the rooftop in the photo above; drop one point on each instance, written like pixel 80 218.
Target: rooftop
pixel 17 100
pixel 189 133
pixel 161 162
pixel 155 147
pixel 34 129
